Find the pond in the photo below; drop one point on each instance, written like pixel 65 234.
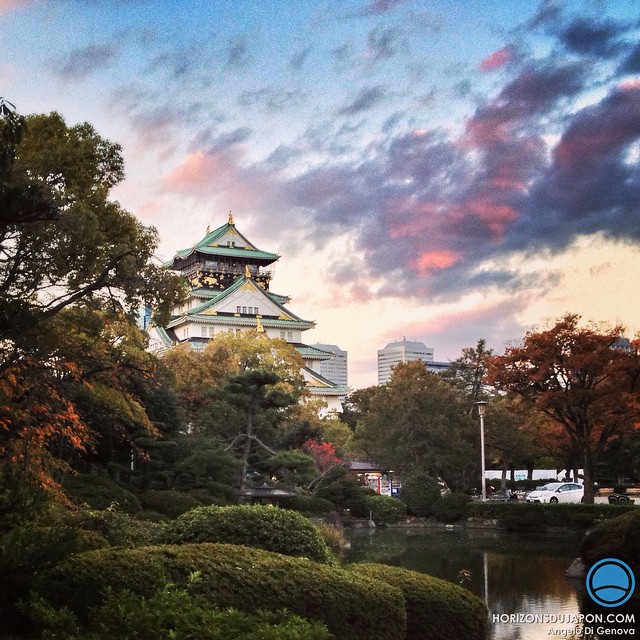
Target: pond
pixel 521 579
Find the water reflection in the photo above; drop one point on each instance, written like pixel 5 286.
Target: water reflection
pixel 516 576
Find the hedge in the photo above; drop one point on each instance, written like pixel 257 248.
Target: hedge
pixel 167 502
pixel 268 528
pixel 230 576
pixel 523 516
pixel 436 609
pixel 170 613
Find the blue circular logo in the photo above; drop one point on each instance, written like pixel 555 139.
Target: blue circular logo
pixel 610 582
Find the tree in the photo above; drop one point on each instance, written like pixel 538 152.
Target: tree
pixel 577 378
pixel 74 270
pixel 468 371
pixel 84 249
pixel 420 422
pixel 254 392
pixel 200 374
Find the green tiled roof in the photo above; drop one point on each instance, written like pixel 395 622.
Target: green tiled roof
pixel 209 246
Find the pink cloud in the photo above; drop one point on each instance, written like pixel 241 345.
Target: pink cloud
pixel 434 260
pixel 497 59
pixel 10 5
pixel 495 217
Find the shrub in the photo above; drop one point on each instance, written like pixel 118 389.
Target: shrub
pixel 99 493
pixel 308 504
pixel 170 612
pixel 263 527
pixel 617 538
pixel 167 502
pixel 346 493
pixel 385 509
pixel 352 606
pixel 436 609
pixel 118 529
pixel 419 493
pixel 334 537
pixel 27 551
pixel 452 507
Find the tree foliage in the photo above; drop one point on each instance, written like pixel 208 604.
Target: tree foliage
pixel 420 422
pixel 576 376
pixel 74 269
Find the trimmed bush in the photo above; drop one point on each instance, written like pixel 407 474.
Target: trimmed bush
pixel 452 507
pixel 436 609
pixel 268 528
pixel 230 576
pixel 118 529
pixel 617 538
pixel 419 493
pixel 167 502
pixel 170 613
pixel 385 509
pixel 99 493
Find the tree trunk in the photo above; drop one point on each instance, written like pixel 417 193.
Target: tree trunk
pixel 588 477
pixel 246 449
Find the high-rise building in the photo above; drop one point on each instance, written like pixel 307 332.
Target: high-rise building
pixel 399 352
pixel 229 290
pixel 334 369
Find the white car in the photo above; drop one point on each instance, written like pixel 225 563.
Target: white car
pixel 555 492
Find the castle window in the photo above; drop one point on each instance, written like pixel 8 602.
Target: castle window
pixel 244 309
pixel 203 331
pixel 211 330
pixel 238 309
pixel 290 336
pixel 282 334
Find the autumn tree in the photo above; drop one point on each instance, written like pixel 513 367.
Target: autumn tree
pixel 577 377
pixel 420 422
pixel 239 391
pixel 73 264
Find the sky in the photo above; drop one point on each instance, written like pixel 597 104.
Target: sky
pixel 440 170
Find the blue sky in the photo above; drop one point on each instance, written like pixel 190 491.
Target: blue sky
pixel 442 170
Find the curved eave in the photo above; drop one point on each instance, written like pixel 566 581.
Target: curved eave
pixel 327 391
pixel 248 323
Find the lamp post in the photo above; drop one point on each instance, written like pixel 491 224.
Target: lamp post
pixel 482 406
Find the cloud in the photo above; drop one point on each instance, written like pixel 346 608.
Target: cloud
pixel 381 43
pixel 498 59
pixel 432 214
pixel 238 54
pixel 364 101
pixel 84 61
pixel 378 7
pixel 589 37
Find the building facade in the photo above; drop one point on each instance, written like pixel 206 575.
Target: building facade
pixel 336 368
pixel 405 351
pixel 229 282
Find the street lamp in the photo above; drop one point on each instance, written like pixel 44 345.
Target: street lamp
pixel 482 406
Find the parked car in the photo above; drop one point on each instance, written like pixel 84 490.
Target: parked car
pixel 557 492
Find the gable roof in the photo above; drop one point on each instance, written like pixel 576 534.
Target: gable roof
pixel 208 309
pixel 214 241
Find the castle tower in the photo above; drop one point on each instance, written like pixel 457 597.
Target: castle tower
pixel 229 291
